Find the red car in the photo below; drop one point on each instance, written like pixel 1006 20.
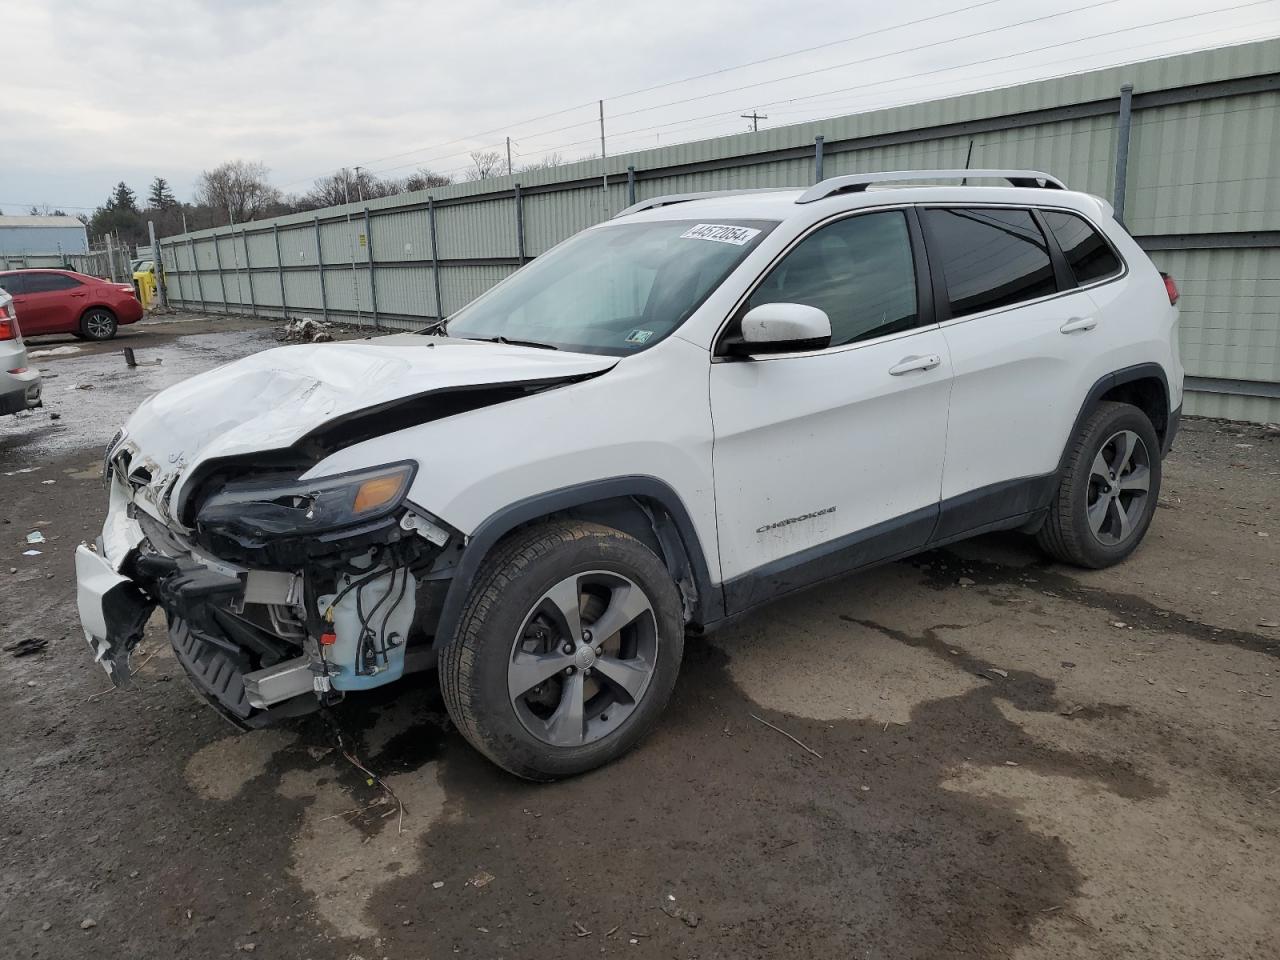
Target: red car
pixel 63 301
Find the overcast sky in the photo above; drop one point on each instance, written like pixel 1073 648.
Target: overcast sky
pixel 94 92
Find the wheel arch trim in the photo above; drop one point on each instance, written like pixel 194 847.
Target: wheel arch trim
pixel 710 602
pixel 1107 383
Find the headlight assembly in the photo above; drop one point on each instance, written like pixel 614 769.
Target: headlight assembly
pixel 257 510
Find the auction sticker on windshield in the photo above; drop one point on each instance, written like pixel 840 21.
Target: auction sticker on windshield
pixel 720 233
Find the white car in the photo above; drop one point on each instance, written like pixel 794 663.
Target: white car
pixel 705 403
pixel 19 383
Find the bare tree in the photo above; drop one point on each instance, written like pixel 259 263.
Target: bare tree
pixel 486 164
pixel 238 188
pixel 544 163
pixel 346 186
pixel 424 179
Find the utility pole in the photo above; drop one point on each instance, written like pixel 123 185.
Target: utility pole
pixel 359 186
pixel 755 119
pixel 604 170
pixel 508 156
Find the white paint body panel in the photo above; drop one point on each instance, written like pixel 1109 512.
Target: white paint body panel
pixel 831 433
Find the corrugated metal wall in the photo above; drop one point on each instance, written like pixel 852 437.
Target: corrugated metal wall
pixel 1202 195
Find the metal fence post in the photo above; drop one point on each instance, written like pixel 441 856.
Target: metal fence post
pixel 817 158
pixel 284 303
pixel 157 265
pixel 324 301
pixel 222 283
pixel 373 287
pixel 195 265
pixel 435 256
pixel 631 185
pixel 519 225
pixel 1122 150
pixel 248 270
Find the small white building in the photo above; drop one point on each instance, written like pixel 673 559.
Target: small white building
pixel 25 235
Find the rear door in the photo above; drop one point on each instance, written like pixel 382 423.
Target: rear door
pixel 1020 333
pixel 52 303
pixel 826 460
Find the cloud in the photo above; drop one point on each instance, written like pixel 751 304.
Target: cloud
pixel 96 93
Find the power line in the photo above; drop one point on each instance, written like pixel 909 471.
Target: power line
pixel 722 70
pixel 1096 36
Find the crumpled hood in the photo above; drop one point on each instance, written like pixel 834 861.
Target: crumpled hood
pixel 272 399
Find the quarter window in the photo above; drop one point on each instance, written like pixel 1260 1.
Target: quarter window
pixel 859 270
pixel 13 284
pixel 1089 255
pixel 989 257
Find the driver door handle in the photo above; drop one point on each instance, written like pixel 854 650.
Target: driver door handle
pixel 910 364
pixel 1079 324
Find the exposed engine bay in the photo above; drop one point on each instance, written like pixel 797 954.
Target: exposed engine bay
pixel 280 594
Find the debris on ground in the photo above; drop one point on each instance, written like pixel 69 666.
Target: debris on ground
pixel 800 744
pixel 24 648
pixel 31 553
pixel 687 917
pixel 88 923
pixel 306 330
pixel 966 582
pixel 35 536
pixel 481 879
pixel 53 352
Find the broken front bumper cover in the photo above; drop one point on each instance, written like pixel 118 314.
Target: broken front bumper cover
pixel 113 611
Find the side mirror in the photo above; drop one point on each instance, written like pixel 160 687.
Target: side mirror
pixel 781 328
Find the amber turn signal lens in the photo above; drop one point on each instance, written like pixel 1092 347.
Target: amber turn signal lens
pixel 377 492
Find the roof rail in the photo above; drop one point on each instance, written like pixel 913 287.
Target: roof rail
pixel 858 182
pixel 654 202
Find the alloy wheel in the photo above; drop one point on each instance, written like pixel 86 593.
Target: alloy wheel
pixel 1119 483
pixel 583 659
pixel 99 325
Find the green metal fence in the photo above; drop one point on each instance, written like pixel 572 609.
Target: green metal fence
pixel 1189 153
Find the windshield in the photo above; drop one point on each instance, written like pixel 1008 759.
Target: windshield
pixel 614 290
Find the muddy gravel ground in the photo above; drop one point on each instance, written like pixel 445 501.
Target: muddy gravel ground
pixel 1002 757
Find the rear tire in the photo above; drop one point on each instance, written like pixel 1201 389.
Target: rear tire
pixel 526 678
pixel 98 324
pixel 1109 489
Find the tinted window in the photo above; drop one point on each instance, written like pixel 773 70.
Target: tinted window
pixel 49 282
pixel 1089 255
pixel 858 270
pixel 13 283
pixel 989 257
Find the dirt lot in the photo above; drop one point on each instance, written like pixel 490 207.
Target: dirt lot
pixel 1009 759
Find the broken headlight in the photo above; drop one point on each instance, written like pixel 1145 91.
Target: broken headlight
pixel 261 509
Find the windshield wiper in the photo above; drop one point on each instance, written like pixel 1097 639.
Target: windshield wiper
pixel 521 343
pixel 435 326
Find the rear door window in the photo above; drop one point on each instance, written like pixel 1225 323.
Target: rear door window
pixel 989 257
pixel 49 282
pixel 13 284
pixel 1087 252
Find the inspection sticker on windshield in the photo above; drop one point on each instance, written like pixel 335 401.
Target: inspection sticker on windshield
pixel 720 233
pixel 639 336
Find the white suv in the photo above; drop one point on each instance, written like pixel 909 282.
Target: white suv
pixel 707 402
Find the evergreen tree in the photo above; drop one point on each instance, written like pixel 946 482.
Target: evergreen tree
pixel 160 196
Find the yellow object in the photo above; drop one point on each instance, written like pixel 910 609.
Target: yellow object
pixel 374 493
pixel 144 284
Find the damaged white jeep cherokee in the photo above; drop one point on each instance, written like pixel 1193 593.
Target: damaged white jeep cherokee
pixel 670 418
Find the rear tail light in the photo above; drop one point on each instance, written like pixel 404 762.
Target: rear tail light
pixel 8 323
pixel 1171 288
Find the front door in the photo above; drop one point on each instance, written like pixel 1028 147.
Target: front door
pixel 830 459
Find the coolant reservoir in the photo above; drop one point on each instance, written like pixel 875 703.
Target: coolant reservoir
pixel 371 624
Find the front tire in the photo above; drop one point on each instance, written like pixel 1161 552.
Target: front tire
pixel 566 651
pixel 1109 489
pixel 98 324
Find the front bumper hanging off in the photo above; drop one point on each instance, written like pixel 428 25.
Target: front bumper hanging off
pixel 113 611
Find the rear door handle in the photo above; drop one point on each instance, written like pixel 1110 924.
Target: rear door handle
pixel 1079 324
pixel 909 364
pixel 77 294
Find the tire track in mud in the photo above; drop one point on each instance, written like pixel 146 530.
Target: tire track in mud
pixel 861 853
